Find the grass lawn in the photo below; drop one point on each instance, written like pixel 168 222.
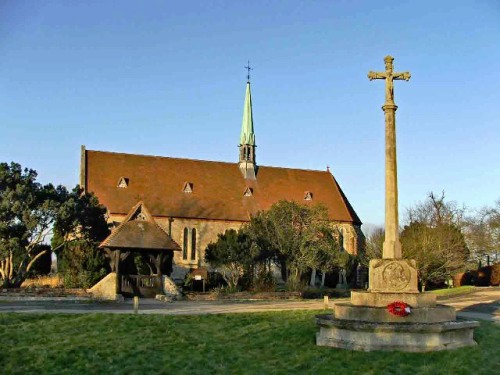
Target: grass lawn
pixel 258 343
pixel 454 291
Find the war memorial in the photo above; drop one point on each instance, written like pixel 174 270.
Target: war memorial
pixel 392 314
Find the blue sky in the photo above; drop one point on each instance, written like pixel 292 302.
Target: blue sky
pixel 167 78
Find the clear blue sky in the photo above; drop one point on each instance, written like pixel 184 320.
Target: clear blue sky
pixel 167 78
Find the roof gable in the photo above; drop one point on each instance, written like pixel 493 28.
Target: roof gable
pixel 139 231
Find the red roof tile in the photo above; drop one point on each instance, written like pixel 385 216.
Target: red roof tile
pixel 217 188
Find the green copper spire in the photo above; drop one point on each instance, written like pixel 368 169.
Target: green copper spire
pixel 247 136
pixel 247 163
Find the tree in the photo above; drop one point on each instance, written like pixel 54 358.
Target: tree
pixel 27 213
pixel 298 238
pixel 231 254
pixel 79 228
pixel 374 246
pixel 81 216
pixel 483 234
pixel 433 237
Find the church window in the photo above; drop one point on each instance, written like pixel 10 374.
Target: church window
pixel 341 240
pixel 188 187
pixel 248 192
pixel 308 196
pixel 193 244
pixel 185 244
pixel 122 183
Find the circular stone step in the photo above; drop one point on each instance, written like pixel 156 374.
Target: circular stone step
pixel 407 337
pixel 436 314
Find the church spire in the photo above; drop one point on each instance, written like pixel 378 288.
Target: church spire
pixel 247 138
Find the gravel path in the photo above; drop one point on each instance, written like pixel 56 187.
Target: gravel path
pixel 481 304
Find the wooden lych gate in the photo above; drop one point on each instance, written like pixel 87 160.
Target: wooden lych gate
pixel 139 234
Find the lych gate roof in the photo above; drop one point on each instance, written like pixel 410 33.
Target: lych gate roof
pixel 139 231
pixel 217 189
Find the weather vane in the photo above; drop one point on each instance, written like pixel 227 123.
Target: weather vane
pixel 248 68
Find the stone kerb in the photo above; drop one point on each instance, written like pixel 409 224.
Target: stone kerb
pixel 411 337
pixel 437 314
pixel 382 299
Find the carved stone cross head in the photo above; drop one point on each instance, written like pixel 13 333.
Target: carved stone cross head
pixel 389 77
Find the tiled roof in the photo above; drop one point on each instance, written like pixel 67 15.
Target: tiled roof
pixel 218 188
pixel 139 233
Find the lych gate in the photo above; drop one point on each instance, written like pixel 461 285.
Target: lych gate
pixel 139 235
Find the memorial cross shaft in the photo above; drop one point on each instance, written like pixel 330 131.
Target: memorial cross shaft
pixel 392 245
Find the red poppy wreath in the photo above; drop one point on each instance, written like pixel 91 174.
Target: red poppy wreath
pixel 399 308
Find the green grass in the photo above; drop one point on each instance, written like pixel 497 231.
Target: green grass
pixel 259 343
pixel 454 291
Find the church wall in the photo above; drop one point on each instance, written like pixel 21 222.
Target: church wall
pixel 207 231
pixel 352 237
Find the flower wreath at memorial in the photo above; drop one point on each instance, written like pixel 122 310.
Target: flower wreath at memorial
pixel 399 308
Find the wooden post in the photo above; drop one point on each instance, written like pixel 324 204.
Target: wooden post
pixel 136 304
pixel 118 274
pixel 325 302
pixel 159 272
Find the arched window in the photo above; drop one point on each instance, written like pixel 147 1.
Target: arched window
pixel 193 244
pixel 185 245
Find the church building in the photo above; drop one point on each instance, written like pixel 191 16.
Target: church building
pixel 195 200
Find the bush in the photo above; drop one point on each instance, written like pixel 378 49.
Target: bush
pixel 264 282
pixel 82 279
pixel 484 276
pixel 82 265
pixel 215 280
pixel 315 293
pixel 294 285
pixel 495 275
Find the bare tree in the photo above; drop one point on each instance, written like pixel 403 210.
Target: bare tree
pixel 483 235
pixel 374 244
pixel 433 237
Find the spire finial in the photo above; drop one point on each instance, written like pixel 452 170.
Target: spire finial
pixel 248 68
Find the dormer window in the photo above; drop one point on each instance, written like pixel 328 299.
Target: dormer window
pixel 122 183
pixel 248 192
pixel 188 187
pixel 308 196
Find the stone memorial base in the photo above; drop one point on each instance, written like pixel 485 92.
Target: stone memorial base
pixel 365 323
pixel 406 337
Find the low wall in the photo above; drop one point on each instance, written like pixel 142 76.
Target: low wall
pixel 106 289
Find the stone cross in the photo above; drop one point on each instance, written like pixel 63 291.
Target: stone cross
pixel 392 246
pixel 389 77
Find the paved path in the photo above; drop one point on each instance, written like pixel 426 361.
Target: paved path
pixel 482 304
